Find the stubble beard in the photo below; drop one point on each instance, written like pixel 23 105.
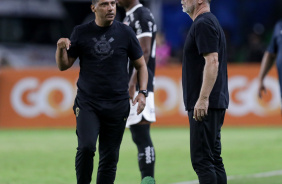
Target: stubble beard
pixel 190 10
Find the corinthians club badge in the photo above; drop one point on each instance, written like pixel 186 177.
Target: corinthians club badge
pixel 102 48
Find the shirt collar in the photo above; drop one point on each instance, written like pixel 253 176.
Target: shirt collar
pixel 133 9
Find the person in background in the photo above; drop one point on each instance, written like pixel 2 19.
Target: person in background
pixel 163 50
pixel 141 20
pixel 272 54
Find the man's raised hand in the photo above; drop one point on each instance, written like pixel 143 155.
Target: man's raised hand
pixel 64 43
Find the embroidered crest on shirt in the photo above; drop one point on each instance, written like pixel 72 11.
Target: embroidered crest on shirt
pixel 103 47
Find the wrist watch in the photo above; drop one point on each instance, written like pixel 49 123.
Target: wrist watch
pixel 144 92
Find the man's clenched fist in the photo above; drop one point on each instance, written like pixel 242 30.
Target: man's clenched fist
pixel 64 43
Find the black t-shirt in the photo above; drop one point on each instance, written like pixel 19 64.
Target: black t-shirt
pixel 103 53
pixel 205 36
pixel 141 20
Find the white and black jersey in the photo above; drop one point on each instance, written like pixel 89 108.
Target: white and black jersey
pixel 141 20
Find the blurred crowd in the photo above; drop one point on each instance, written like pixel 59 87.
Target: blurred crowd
pixel 30 29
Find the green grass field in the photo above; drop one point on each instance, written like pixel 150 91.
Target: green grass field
pixel 47 156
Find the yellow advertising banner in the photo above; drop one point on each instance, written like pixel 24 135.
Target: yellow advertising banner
pixel 44 98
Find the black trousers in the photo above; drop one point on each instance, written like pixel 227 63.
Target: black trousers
pixel 205 147
pixel 107 120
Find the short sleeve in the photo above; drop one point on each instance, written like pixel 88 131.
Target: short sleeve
pixel 144 26
pixel 73 51
pixel 207 37
pixel 134 49
pixel 272 47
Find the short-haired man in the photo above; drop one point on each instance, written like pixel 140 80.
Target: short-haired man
pixel 141 20
pixel 205 90
pixel 102 102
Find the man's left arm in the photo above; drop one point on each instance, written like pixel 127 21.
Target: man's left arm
pixel 209 78
pixel 142 76
pixel 145 43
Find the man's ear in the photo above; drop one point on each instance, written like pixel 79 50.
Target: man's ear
pixel 93 8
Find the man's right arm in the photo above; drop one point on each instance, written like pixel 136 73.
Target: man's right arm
pixel 209 77
pixel 63 61
pixel 266 64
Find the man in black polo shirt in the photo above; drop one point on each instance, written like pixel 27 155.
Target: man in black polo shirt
pixel 102 102
pixel 205 90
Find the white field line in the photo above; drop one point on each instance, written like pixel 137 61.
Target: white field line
pixel 258 175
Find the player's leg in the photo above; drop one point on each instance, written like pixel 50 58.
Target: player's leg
pixel 146 153
pixel 202 141
pixel 110 137
pixel 140 130
pixel 218 163
pixel 87 131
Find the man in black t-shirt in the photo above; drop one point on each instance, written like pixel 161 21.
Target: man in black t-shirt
pixel 101 106
pixel 141 20
pixel 205 90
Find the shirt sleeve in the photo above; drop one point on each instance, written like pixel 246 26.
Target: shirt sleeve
pixel 143 26
pixel 73 51
pixel 272 47
pixel 134 49
pixel 207 37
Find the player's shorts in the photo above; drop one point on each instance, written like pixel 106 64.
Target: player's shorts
pixel 148 113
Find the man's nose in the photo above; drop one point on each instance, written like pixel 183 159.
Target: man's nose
pixel 111 7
